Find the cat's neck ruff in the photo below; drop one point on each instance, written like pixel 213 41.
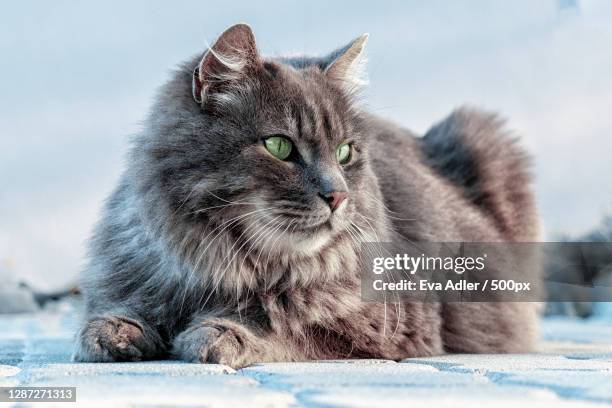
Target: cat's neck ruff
pixel 241 271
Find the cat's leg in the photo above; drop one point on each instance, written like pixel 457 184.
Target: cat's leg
pixel 503 327
pixel 225 341
pixel 394 331
pixel 110 338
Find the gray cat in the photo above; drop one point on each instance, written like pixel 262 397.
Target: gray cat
pixel 233 236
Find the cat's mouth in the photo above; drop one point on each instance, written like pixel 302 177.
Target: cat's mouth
pixel 321 222
pixel 308 221
pixel 320 226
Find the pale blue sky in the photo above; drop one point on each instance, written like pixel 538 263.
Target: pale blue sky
pixel 77 77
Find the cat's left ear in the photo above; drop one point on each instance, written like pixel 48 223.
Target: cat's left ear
pixel 227 61
pixel 347 65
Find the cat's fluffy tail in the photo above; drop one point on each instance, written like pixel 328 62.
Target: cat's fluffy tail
pixel 473 149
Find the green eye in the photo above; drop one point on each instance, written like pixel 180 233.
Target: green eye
pixel 343 153
pixel 279 146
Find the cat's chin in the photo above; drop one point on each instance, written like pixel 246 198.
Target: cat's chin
pixel 307 242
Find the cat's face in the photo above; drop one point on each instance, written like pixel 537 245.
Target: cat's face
pixel 293 156
pixel 277 156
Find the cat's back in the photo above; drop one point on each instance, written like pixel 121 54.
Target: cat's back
pixel 466 179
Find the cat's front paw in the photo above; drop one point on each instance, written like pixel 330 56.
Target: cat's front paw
pixel 216 342
pixel 114 338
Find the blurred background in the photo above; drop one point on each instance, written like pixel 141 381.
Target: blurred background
pixel 76 79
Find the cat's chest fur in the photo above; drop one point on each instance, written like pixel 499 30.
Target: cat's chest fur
pixel 294 291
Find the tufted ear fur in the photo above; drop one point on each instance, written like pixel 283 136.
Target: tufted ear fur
pixel 228 60
pixel 347 64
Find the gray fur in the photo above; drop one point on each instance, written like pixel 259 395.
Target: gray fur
pixel 188 262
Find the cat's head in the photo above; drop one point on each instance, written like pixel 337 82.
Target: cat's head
pixel 272 149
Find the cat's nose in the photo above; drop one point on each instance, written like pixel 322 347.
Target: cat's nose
pixel 334 199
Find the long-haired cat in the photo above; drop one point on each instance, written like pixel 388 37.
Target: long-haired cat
pixel 234 234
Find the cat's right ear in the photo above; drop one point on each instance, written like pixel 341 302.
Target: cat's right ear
pixel 228 60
